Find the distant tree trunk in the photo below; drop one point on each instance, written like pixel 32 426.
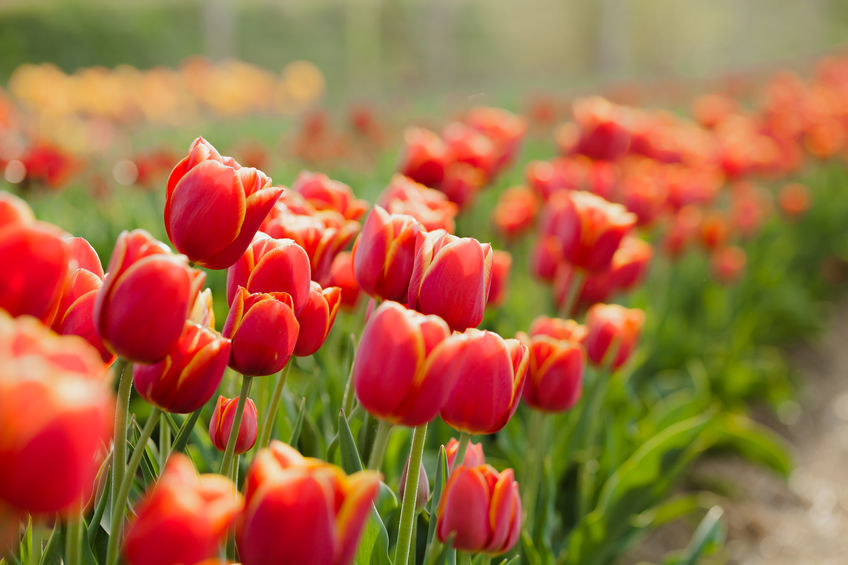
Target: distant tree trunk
pixel 219 28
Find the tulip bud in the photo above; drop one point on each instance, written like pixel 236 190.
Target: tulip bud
pixel 481 508
pixel 317 318
pixel 728 263
pixel 342 275
pixel 35 261
pixel 423 493
pixel 384 254
pixel 263 329
pixel 189 375
pixel 184 518
pixel 558 328
pixel 14 210
pixel 425 156
pixel 613 330
pixel 327 194
pixel 272 265
pixel 480 360
pixel 391 373
pixel 214 206
pixel 56 410
pixel 451 278
pixel 555 373
pixel 630 263
pixel 474 456
pixel 301 510
pixel 501 264
pixel 145 299
pixel 222 422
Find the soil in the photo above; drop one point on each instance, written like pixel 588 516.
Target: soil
pixel 802 521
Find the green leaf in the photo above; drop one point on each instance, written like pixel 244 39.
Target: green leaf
pixel 438 485
pixel 707 537
pixel 754 442
pixel 351 462
pixel 298 423
pixel 185 432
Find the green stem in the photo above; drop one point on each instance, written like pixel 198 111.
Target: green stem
pixel 273 408
pixel 185 431
pixel 410 493
pixel 119 445
pixel 347 401
pixel 577 279
pixel 164 440
pixel 73 541
pixel 231 539
pixel 461 449
pixel 533 475
pixel 463 558
pixel 231 441
pixel 120 506
pixel 381 441
pixel 484 559
pixel 35 535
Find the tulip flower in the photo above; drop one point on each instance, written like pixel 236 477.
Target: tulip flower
pixel 343 276
pixel 504 129
pixel 480 360
pixel 145 299
pixel 682 231
pixel 794 200
pixel 222 422
pixel 715 231
pixel 588 228
pixel 302 511
pixel 272 265
pixel 481 508
pixel 75 315
pixel 425 156
pixel 474 456
pixel 35 259
pixel 501 264
pixel 317 318
pixel 461 184
pixel 558 329
pixel 546 258
pixel 56 410
pixel 451 278
pixel 601 127
pixel 324 193
pixel 391 373
pixel 189 375
pixel 430 207
pixel 612 330
pixel 214 206
pixel 423 493
pixel 184 518
pixel 263 329
pixel 630 263
pixel 515 211
pixel 14 210
pixel 384 254
pixel 468 146
pixel 728 263
pixel 555 373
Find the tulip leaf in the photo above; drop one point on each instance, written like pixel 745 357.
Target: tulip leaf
pixel 53 549
pixel 185 432
pixel 351 461
pixel 754 442
pixel 708 536
pixel 298 423
pixel 438 485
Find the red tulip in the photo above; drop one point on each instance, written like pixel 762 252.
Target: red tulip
pixel 728 263
pixel 424 158
pixel 545 258
pixel 558 329
pixel 482 509
pixel 504 129
pixel 56 410
pixel 317 318
pixel 588 228
pixel 384 254
pixel 451 278
pixel 342 275
pixel 682 231
pixel 555 373
pixel 501 264
pixel 466 145
pixel 302 511
pixel 263 328
pixel 480 360
pixel 630 263
pixel 222 422
pixel 613 330
pixel 461 184
pixel 189 375
pixel 214 206
pixel 430 207
pixel 391 371
pixel 324 193
pixel 474 456
pixel 146 297
pixel 75 315
pixel 184 518
pixel 13 210
pixel 594 288
pixel 601 126
pixel 794 200
pixel 35 260
pixel 272 265
pixel 715 231
pixel 515 211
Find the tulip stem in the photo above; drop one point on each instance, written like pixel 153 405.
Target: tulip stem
pixel 464 558
pixel 119 445
pixel 461 449
pixel 73 541
pixel 381 441
pixel 234 430
pixel 35 535
pixel 577 279
pixel 410 493
pixel 273 408
pixel 119 507
pixel 533 474
pixel 484 560
pixel 347 401
pixel 164 440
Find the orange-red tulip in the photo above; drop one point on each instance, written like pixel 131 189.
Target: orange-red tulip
pixel 728 263
pixel 325 193
pixel 391 373
pixel 214 206
pixel 794 200
pixel 317 318
pixel 558 328
pixel 425 156
pixel 501 265
pixel 555 373
pixel 481 508
pixel 184 518
pixel 222 422
pixel 612 330
pixel 474 456
pixel 13 210
pixel 515 211
pixel 343 276
pixel 429 206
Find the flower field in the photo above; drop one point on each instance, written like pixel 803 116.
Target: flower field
pixel 483 335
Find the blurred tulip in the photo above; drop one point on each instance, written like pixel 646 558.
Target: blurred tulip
pixel 263 329
pixel 272 265
pixel 14 210
pixel 451 278
pixel 474 456
pixel 504 129
pixel 391 373
pixel 145 299
pixel 467 145
pixel 75 315
pixel 612 330
pixel 555 373
pixel 317 318
pixel 601 129
pixel 423 494
pixel 343 276
pixel 429 206
pixel 384 254
pixel 214 206
pixel 682 231
pixel 501 265
pixel 189 375
pixel 545 258
pixel 222 422
pixel 558 329
pixel 461 184
pixel 728 263
pixel 183 519
pixel 480 360
pixel 324 193
pixel 482 509
pixel 424 157
pixel 794 200
pixel 630 263
pixel 302 511
pixel 56 411
pixel 715 230
pixel 515 211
